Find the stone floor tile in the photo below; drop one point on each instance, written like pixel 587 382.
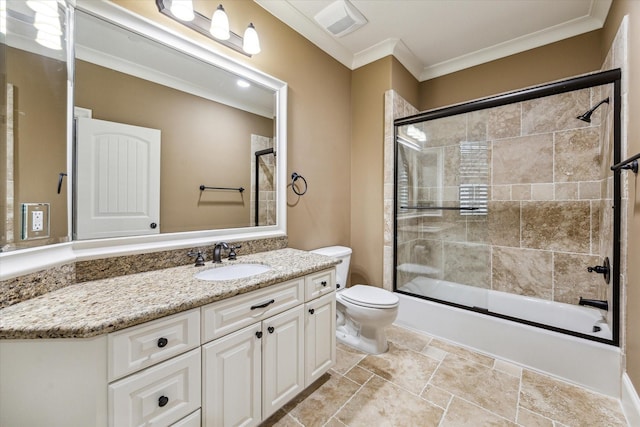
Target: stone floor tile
pixel 334 423
pixel 527 418
pixel 406 368
pixel 465 414
pixel 569 404
pixel 380 403
pixel 507 368
pixel 346 358
pixel 462 352
pixel 358 375
pixel 280 419
pixel 437 396
pixel 492 390
pixel 317 404
pixel 406 338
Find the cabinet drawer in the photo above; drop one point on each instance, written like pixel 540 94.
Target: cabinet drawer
pixel 319 284
pixel 193 420
pixel 229 315
pixel 159 395
pixel 141 346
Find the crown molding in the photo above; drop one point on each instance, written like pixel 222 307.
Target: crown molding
pixel 295 19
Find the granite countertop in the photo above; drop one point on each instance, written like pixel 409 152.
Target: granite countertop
pixel 93 308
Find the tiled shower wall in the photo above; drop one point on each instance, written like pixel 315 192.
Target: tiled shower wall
pixel 267 194
pixel 548 201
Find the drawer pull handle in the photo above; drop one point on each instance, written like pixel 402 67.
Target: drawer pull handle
pixel 162 342
pixel 270 329
pixel 323 283
pixel 163 401
pixel 259 334
pixel 266 304
pixel 311 311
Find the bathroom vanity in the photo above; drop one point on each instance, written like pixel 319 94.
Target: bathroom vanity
pixel 163 348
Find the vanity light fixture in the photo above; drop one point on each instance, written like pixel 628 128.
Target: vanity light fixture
pixel 216 28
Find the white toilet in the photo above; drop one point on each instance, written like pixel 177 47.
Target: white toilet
pixel 363 312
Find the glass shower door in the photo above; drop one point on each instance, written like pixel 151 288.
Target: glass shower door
pixel 508 206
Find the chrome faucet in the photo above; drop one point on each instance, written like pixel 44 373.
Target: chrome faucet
pixel 217 251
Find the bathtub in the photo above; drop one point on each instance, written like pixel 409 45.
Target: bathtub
pixel 590 364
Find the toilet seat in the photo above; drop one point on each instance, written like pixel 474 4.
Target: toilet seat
pixel 370 296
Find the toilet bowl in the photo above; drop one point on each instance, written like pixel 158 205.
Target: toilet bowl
pixel 363 312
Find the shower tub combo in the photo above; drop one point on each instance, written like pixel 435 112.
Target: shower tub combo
pixel 503 217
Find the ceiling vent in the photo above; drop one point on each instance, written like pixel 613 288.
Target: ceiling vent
pixel 340 18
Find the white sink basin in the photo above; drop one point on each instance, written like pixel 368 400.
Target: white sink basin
pixel 232 272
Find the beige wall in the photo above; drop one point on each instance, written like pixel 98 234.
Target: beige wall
pixel 203 143
pixel 40 134
pixel 319 121
pixel 536 66
pixel 369 83
pixel 619 9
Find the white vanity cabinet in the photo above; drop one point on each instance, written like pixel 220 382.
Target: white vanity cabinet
pixel 233 362
pixel 252 372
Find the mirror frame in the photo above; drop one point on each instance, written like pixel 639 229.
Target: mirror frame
pixel 30 260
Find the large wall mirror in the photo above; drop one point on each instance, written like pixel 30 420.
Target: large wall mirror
pixel 221 164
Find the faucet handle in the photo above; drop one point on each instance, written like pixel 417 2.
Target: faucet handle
pixel 199 258
pixel 232 252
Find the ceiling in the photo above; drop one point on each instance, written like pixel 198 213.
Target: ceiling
pixel 437 37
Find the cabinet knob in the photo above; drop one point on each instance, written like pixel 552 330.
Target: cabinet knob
pixel 163 401
pixel 162 342
pixel 259 334
pixel 311 311
pixel 323 283
pixel 270 329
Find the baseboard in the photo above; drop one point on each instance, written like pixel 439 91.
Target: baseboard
pixel 630 401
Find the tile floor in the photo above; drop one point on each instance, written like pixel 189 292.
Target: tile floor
pixel 423 381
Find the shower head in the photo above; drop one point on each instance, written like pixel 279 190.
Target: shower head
pixel 586 117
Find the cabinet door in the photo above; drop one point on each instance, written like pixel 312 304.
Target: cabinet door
pixel 282 359
pixel 231 368
pixel 320 337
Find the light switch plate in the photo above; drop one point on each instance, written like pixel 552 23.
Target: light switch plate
pixel 35 221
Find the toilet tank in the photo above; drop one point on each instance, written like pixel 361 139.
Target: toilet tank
pixel 342 269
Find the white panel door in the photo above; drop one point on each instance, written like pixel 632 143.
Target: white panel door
pixel 282 359
pixel 118 179
pixel 320 337
pixel 231 369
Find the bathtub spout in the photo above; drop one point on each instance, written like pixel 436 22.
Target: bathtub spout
pixel 602 305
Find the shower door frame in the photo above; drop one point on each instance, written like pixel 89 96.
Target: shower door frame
pixel 576 83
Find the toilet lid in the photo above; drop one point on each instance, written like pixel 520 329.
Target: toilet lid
pixel 370 296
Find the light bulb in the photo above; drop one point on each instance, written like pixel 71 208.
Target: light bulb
pixel 182 9
pixel 220 24
pixel 251 43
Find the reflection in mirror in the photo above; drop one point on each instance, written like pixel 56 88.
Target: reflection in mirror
pixel 33 157
pixel 210 123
